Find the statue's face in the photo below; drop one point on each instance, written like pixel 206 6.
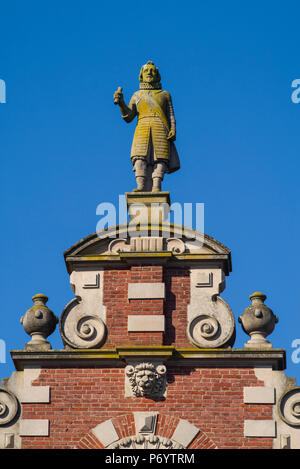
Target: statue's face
pixel 149 73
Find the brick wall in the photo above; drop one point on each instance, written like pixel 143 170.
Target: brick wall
pixel 174 307
pixel 115 298
pixel 177 283
pixel 211 399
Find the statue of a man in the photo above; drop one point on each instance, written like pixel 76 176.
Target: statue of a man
pixel 153 152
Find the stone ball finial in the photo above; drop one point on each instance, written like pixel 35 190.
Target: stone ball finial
pixel 258 321
pixel 39 322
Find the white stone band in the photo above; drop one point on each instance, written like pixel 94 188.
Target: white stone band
pixel 259 395
pixel 146 323
pixel 260 428
pixel 34 427
pixel 137 291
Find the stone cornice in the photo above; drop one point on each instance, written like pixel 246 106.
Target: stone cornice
pixel 119 356
pixel 157 258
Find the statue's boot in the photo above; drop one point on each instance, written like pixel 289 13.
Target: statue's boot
pixel 156 187
pixel 140 184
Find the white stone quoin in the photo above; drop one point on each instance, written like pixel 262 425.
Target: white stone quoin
pixel 34 427
pixel 146 323
pixel 259 395
pixel 31 394
pixel 260 428
pixel 138 291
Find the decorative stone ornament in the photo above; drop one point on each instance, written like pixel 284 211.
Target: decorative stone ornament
pixel 175 245
pixel 118 245
pixel 147 244
pixel 39 322
pixel 210 319
pixel 82 322
pixel 147 379
pixel 8 406
pixel 80 328
pixel 146 442
pixel 289 407
pixel 258 321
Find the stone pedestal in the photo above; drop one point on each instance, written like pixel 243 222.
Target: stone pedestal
pixel 147 208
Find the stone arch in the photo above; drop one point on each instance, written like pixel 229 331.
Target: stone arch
pixel 145 430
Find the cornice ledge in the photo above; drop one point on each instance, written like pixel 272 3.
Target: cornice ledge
pixel 159 352
pixel 118 356
pixel 275 358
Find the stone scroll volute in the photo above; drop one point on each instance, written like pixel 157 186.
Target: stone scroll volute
pixel 210 319
pixel 82 323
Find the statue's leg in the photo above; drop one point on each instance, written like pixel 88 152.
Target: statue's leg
pixel 158 175
pixel 140 166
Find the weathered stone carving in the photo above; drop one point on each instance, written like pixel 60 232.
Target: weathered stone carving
pixel 204 327
pixel 145 442
pixel 39 322
pixel 82 322
pixel 118 245
pixel 78 328
pixel 8 406
pixel 147 244
pixel 153 152
pixel 147 379
pixel 214 329
pixel 140 244
pixel 289 407
pixel 258 321
pixel 210 319
pixel 175 245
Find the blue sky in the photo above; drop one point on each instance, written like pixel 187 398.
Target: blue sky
pixel 229 67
